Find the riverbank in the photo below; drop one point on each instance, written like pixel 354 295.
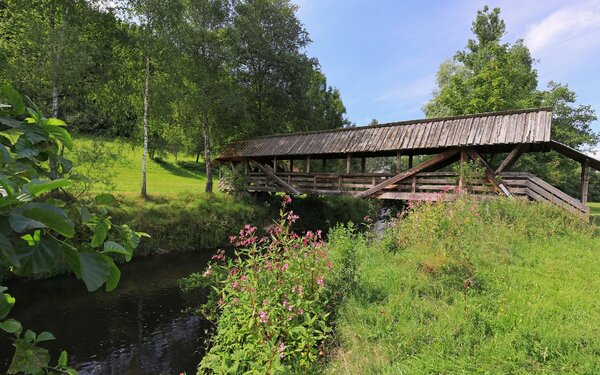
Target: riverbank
pixel 497 287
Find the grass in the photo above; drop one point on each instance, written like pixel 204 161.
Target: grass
pixel 595 212
pixel 164 176
pixel 460 288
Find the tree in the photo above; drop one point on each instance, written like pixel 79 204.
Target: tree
pixel 490 76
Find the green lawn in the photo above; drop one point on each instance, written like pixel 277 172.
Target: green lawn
pixel 595 212
pixel 164 177
pixel 495 289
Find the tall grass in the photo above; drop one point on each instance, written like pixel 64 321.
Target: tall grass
pixel 502 287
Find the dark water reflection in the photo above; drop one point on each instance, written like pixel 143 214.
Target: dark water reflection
pixel 137 329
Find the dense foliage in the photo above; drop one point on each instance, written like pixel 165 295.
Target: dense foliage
pixel 272 300
pixel 182 75
pixel 474 287
pixel 38 229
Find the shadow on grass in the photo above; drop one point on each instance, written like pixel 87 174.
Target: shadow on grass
pixel 179 171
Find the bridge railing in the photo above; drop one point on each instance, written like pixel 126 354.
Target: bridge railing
pixel 422 186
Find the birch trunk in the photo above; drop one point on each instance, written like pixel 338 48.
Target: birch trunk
pixel 145 149
pixel 207 160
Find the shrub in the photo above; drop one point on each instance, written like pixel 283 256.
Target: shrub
pixel 271 300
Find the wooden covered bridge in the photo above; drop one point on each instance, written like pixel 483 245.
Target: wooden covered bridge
pixel 426 159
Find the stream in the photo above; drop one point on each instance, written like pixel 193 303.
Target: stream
pixel 139 328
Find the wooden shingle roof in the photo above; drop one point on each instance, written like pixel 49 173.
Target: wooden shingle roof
pixel 528 126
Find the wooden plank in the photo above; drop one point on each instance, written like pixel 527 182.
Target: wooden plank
pixel 427 164
pixel 489 172
pixel 512 157
pixel 273 176
pixel 348 163
pixel 398 162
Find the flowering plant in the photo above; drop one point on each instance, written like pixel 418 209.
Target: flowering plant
pixel 271 299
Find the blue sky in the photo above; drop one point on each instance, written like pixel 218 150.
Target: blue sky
pixel 383 54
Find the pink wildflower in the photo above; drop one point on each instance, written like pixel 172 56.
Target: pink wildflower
pixel 287 199
pixel 263 316
pixel 235 285
pixel 281 349
pixel 300 291
pixel 300 311
pixel 329 265
pixel 243 278
pixel 320 281
pixel 208 271
pixel 285 266
pixel 235 300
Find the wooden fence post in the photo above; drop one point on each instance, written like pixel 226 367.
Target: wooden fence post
pixel 585 181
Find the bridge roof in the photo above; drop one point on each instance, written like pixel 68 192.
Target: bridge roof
pixel 530 126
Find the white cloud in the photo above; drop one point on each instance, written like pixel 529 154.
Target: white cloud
pixel 567 24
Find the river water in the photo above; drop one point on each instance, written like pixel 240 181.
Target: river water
pixel 139 328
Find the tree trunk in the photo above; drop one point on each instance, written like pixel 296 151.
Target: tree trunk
pixel 207 160
pixel 146 93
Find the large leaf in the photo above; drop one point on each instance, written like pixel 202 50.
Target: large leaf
pixel 25 148
pixel 113 247
pixel 114 275
pixel 38 187
pixel 55 122
pixel 61 134
pixel 100 232
pixel 14 99
pixel 5 154
pixel 21 224
pixel 39 258
pixel 71 256
pixel 94 270
pixel 28 358
pixel 35 133
pixel 52 217
pixel 7 250
pixel 10 122
pixel 106 198
pixel 6 303
pixel 11 326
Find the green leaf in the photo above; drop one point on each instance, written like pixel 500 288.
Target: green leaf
pixel 113 247
pixel 38 187
pixel 71 371
pixel 5 154
pixel 55 122
pixel 28 358
pixel 25 149
pixel 7 250
pixel 11 326
pixel 14 99
pixel 52 217
pixel 41 257
pixel 71 256
pixel 62 360
pixel 100 233
pixel 9 121
pixel 106 199
pixel 62 135
pixel 94 270
pixel 85 215
pixel 45 336
pixel 35 133
pixel 114 275
pixel 6 304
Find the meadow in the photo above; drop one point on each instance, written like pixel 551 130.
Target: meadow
pixel 504 287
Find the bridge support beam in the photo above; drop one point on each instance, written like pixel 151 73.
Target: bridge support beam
pixel 585 181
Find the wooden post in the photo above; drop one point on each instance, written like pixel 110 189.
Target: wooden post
pixel 414 184
pixel 398 162
pixel 585 181
pixel 461 178
pixel 363 165
pixel 308 164
pixel 274 165
pixel 246 167
pixel 410 161
pixel 348 163
pixel 291 165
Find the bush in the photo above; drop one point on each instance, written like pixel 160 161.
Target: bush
pixel 271 301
